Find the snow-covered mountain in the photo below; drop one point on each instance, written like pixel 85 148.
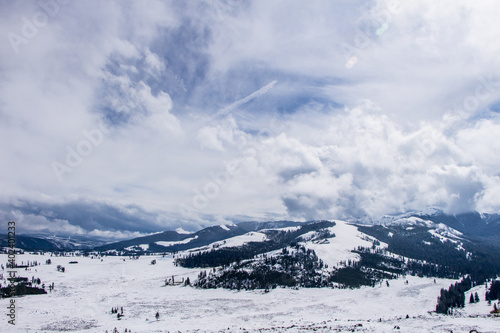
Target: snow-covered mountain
pixel 468 227
pixel 433 243
pixel 391 263
pixel 428 243
pixel 473 225
pixel 177 241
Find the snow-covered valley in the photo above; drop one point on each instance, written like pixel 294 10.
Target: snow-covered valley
pixel 87 291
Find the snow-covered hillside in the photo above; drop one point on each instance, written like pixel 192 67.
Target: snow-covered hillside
pixel 88 289
pixel 85 294
pixel 339 248
pixel 252 236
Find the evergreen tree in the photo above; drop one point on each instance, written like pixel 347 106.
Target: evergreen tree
pixel 471 300
pixel 494 292
pixel 476 297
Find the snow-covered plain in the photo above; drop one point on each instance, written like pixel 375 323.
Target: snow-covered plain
pixel 86 292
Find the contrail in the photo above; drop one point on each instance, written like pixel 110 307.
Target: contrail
pixel 242 101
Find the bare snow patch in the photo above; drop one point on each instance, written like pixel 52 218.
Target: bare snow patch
pixel 182 231
pixel 339 248
pixel 184 241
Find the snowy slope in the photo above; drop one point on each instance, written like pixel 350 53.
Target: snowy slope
pixel 184 241
pixel 85 294
pixel 339 248
pixel 234 241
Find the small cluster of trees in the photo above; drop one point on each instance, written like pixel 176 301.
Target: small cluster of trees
pixel 61 268
pixel 474 298
pixel 454 297
pixel 115 330
pixel 37 281
pixel 23 286
pixel 28 264
pixel 118 312
pixel 494 292
pixel 172 282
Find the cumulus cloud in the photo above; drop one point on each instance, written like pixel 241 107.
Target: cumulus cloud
pixel 151 117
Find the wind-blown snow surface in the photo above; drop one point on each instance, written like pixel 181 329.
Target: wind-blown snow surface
pixel 253 236
pixel 184 241
pixel 347 238
pixel 86 292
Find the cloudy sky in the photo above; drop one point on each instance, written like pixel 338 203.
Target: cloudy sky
pixel 124 118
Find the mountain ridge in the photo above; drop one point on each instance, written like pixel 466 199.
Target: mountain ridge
pixel 474 225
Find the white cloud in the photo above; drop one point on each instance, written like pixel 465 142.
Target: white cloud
pixel 37 224
pixel 409 125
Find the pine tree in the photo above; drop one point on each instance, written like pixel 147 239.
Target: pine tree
pixel 476 297
pixel 471 300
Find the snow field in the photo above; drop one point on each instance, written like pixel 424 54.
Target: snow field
pixel 86 292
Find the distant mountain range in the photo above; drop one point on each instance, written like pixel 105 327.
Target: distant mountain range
pixel 52 243
pixel 170 241
pixel 263 255
pixel 473 226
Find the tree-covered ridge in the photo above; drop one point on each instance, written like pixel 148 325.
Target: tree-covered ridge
pixel 254 265
pixel 410 252
pixel 277 239
pixel 293 267
pixel 450 259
